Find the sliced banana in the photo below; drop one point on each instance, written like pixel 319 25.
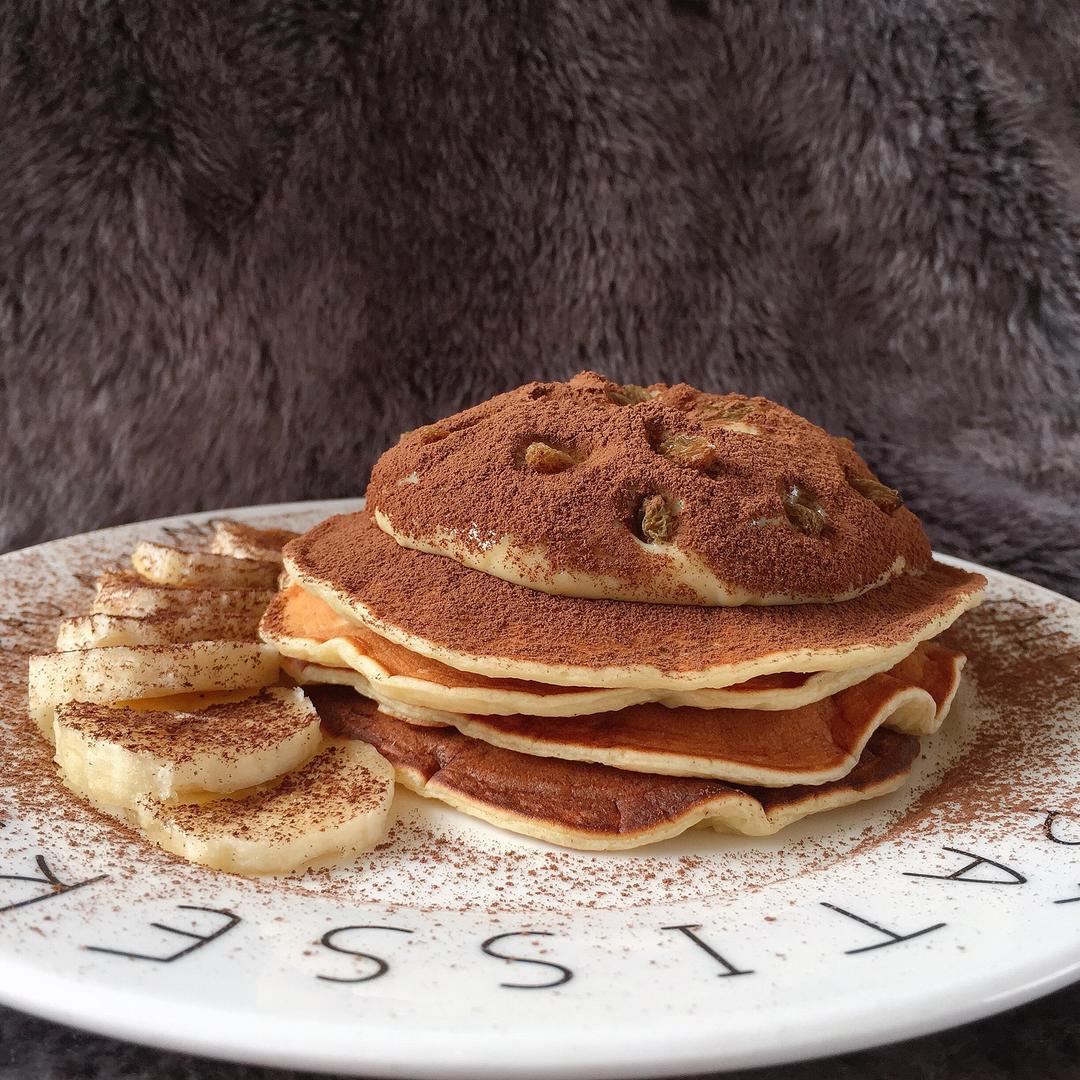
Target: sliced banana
pixel 127 594
pixel 164 565
pixel 246 542
pixel 337 804
pixel 120 673
pixel 99 630
pixel 113 755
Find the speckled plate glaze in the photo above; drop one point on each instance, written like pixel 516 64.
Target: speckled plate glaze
pixel 457 950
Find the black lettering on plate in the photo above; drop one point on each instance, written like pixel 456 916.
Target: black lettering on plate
pixel 56 886
pixel 198 940
pixel 1014 878
pixel 565 974
pixel 1069 900
pixel 381 966
pixel 1051 834
pixel 729 968
pixel 892 937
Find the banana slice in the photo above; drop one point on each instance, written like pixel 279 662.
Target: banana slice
pixel 127 594
pixel 99 631
pixel 114 755
pixel 166 565
pixel 246 542
pixel 337 804
pixel 121 673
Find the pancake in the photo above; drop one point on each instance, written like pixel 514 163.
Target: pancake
pixel 305 674
pixel 478 623
pixel 304 628
pixel 813 744
pixel 666 495
pixel 595 807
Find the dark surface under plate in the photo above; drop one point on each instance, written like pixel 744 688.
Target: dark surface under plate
pixel 1038 1040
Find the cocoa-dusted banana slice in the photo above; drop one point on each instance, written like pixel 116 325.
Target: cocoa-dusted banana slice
pixel 335 805
pixel 661 494
pixel 118 673
pixel 119 593
pixel 112 754
pixel 161 564
pixel 244 541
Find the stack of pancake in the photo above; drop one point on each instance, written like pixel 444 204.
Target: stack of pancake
pixel 601 614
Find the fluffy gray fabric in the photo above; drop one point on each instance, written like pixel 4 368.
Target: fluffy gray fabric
pixel 243 245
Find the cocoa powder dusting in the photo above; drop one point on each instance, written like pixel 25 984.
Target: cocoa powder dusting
pixel 472 613
pixel 1006 757
pixel 294 614
pixel 1024 660
pixel 229 731
pixel 276 815
pixel 617 454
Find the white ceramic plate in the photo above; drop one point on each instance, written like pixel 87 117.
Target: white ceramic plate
pixel 459 950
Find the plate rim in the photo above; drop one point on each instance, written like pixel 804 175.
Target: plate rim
pixel 185 1030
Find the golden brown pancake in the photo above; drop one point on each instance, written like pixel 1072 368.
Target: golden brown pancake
pixel 305 674
pixel 812 744
pixel 475 622
pixel 304 628
pixel 588 806
pixel 668 495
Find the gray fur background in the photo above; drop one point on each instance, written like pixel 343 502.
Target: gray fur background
pixel 244 244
